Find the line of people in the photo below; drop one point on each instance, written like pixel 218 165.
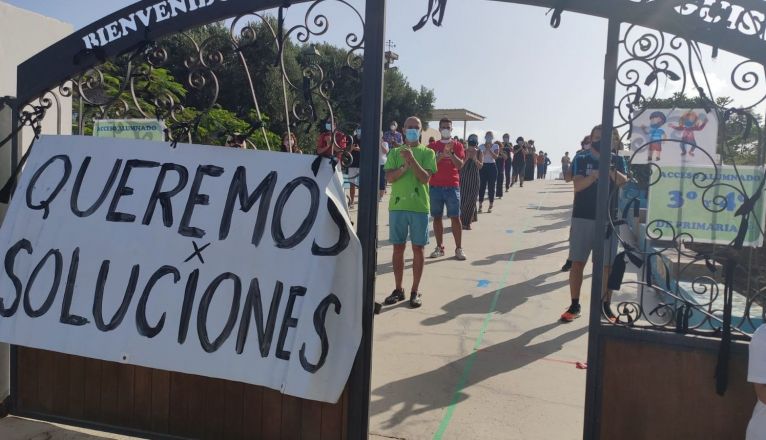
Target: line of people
pixel 443 176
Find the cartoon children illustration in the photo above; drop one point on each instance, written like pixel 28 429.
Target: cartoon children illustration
pixel 688 124
pixel 656 135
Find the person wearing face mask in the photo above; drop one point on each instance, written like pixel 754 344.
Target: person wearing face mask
pixel 582 234
pixel 290 144
pixel 519 161
pixel 488 176
pixel 469 182
pixel 408 169
pixel 584 146
pixel 566 162
pixel 507 152
pixel 392 136
pixel 445 188
pixel 325 145
pixel 529 168
pixel 500 163
pixel 353 167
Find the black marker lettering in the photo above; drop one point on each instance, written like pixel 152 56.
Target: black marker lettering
pixel 98 300
pixel 186 310
pixel 204 306
pixel 142 324
pixel 10 258
pixel 32 183
pixel 320 317
pixel 66 316
pixel 165 196
pixel 303 230
pixel 124 190
pixel 195 198
pixel 253 303
pixel 78 184
pixel 238 189
pixel 343 236
pixel 58 265
pixel 288 321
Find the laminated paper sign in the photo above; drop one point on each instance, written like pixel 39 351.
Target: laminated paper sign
pixel 702 202
pixel 144 129
pixel 215 261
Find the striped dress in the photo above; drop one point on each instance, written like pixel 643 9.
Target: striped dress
pixel 469 189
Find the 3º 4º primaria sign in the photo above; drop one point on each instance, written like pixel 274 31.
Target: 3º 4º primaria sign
pixel 206 260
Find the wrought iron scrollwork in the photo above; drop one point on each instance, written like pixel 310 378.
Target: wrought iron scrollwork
pixel 692 284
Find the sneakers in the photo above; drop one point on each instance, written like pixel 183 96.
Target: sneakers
pixel 566 266
pixel 438 252
pixel 459 254
pixel 572 313
pixel 396 296
pixel 416 300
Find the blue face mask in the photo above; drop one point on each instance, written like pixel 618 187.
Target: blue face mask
pixel 412 134
pixel 689 123
pixel 328 127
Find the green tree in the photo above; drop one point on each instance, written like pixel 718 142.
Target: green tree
pixel 402 101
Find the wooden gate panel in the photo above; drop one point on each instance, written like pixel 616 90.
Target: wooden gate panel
pixel 144 401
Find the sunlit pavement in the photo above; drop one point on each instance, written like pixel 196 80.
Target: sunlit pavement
pixel 485 357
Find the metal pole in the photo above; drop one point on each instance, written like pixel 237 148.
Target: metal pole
pixel 367 219
pixel 593 384
pixel 465 129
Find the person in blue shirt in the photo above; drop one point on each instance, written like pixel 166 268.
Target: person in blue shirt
pixel 582 236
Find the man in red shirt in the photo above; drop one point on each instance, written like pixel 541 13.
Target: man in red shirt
pixel 325 145
pixel 445 188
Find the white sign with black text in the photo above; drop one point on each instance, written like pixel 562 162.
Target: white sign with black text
pixel 215 261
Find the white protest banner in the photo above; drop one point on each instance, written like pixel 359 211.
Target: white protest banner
pixel 144 129
pixel 222 262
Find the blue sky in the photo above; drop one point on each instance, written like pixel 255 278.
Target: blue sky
pixel 500 60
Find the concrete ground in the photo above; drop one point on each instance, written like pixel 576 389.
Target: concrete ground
pixel 485 357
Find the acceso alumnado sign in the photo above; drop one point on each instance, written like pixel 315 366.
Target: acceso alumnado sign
pixel 694 200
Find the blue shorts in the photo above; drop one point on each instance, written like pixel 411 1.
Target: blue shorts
pixel 444 195
pixel 402 223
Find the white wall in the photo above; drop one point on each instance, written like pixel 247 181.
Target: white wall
pixel 22 35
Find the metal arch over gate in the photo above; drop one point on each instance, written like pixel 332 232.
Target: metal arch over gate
pixel 738 27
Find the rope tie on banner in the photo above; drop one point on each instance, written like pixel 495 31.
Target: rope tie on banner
pixel 435 13
pixel 281 30
pixel 556 16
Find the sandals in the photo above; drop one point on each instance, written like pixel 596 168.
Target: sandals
pixel 396 296
pixel 416 300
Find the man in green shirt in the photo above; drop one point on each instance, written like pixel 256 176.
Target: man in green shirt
pixel 408 169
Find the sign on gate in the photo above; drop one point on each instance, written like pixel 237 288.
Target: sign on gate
pixel 144 129
pixel 206 260
pixel 675 136
pixel 679 205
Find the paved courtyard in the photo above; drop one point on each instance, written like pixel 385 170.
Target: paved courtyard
pixel 485 357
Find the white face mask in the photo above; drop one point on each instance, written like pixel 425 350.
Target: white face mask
pixel 446 133
pixel 586 146
pixel 289 143
pixel 393 127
